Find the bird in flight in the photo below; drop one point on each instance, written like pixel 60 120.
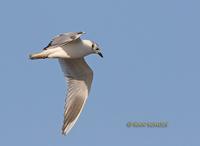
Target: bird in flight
pixel 70 50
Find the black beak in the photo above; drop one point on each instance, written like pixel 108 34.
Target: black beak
pixel 99 53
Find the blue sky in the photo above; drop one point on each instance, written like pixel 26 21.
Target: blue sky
pixel 150 72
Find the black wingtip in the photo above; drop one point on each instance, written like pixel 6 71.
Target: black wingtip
pixel 81 32
pixel 63 133
pixel 45 48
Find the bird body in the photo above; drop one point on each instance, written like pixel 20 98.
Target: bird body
pixel 73 50
pixel 70 50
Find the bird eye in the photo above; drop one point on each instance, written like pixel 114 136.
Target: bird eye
pixel 92 45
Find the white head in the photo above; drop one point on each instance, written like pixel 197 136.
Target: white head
pixel 93 46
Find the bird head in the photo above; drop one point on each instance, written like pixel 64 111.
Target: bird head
pixel 95 48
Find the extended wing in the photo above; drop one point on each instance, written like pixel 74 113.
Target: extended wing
pixel 79 77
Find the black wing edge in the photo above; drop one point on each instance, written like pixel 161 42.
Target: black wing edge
pixel 45 48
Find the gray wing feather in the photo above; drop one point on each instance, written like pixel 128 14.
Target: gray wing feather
pixel 79 77
pixel 64 38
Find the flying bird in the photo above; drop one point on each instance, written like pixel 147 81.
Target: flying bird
pixel 70 50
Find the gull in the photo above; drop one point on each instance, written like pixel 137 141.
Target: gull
pixel 70 50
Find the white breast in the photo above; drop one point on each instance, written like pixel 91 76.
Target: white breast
pixel 70 50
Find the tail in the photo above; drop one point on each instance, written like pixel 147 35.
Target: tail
pixel 41 55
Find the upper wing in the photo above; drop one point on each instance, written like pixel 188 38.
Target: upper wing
pixel 64 38
pixel 79 76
